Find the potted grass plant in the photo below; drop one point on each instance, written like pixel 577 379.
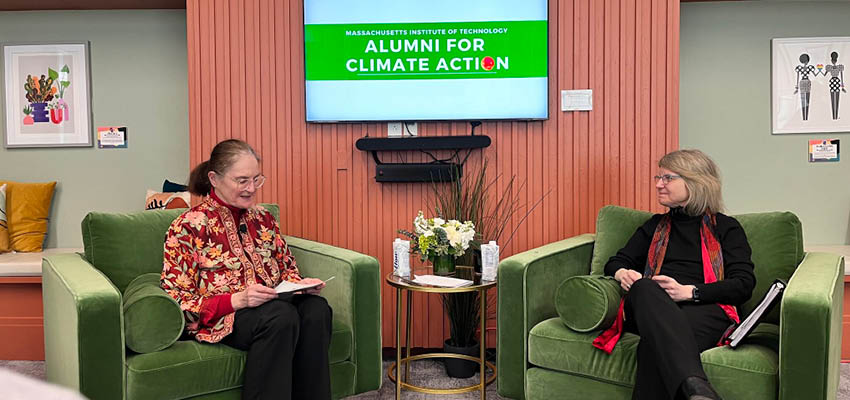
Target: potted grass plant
pixel 474 198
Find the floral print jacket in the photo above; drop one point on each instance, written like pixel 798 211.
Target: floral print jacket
pixel 207 254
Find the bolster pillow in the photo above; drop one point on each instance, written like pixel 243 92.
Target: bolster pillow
pixel 152 319
pixel 588 302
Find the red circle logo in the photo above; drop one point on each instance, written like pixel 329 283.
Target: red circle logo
pixel 488 63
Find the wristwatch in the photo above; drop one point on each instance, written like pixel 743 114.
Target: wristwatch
pixel 696 294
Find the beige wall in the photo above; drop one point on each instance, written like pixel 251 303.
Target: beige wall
pixel 138 80
pixel 725 111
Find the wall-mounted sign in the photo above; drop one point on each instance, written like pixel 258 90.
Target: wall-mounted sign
pixel 112 137
pixel 577 100
pixel 823 150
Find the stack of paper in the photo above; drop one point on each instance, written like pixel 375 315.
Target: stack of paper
pixel 441 281
pixel 289 287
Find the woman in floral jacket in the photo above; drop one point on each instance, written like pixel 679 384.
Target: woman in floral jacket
pixel 223 259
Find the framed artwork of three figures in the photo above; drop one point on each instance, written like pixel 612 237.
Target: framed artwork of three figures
pixel 808 87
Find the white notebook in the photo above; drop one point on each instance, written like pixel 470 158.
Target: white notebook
pixel 441 281
pixel 771 297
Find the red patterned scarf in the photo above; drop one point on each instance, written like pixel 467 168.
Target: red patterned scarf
pixel 712 270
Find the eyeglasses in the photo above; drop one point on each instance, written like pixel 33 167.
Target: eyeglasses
pixel 666 178
pixel 243 183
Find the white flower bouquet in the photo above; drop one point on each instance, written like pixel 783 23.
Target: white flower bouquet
pixel 435 237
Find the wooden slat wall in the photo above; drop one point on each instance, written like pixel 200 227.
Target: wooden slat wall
pixel 247 81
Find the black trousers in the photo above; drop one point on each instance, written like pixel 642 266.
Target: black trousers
pixel 287 341
pixel 672 336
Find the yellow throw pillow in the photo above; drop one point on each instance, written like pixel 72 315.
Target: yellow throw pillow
pixel 4 226
pixel 28 206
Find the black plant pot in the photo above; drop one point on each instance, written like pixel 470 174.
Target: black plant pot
pixel 457 368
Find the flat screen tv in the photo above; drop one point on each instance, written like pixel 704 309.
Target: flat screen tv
pixel 419 60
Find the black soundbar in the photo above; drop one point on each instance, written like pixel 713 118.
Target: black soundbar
pixel 417 172
pixel 423 143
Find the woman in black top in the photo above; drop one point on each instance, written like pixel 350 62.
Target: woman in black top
pixel 683 271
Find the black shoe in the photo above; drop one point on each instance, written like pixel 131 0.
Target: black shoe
pixel 696 388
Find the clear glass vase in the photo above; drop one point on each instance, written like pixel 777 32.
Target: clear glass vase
pixel 443 265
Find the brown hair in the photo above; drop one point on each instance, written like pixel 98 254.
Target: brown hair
pixel 222 157
pixel 702 178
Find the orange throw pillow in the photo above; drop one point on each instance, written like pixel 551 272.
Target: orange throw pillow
pixel 4 226
pixel 28 206
pixel 160 201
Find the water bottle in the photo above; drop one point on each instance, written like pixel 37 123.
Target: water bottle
pixel 489 261
pixel 401 258
pixel 395 256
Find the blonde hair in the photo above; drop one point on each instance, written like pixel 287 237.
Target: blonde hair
pixel 702 178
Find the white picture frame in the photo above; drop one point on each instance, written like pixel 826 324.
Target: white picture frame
pixel 46 91
pixel 807 88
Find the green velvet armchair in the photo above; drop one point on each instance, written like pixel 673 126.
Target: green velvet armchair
pixel 84 325
pixel 793 354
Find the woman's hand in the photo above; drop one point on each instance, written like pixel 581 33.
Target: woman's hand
pixel 311 281
pixel 676 291
pixel 252 296
pixel 627 277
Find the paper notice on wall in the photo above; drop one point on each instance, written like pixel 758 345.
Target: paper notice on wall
pixel 823 150
pixel 111 137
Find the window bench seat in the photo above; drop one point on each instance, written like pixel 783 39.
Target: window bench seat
pixel 21 313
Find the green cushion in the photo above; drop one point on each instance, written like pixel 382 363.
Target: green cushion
pixel 614 226
pixel 588 302
pixel 751 371
pixel 545 384
pixel 152 319
pixel 187 368
pixel 124 246
pixel 184 369
pixel 777 242
pixel 553 346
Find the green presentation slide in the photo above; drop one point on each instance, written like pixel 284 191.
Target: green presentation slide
pixel 401 51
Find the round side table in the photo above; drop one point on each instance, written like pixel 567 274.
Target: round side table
pixel 401 284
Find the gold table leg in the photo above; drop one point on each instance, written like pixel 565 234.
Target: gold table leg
pixel 407 340
pixel 483 346
pixel 398 344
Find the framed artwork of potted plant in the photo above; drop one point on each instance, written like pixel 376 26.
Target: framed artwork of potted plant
pixel 46 94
